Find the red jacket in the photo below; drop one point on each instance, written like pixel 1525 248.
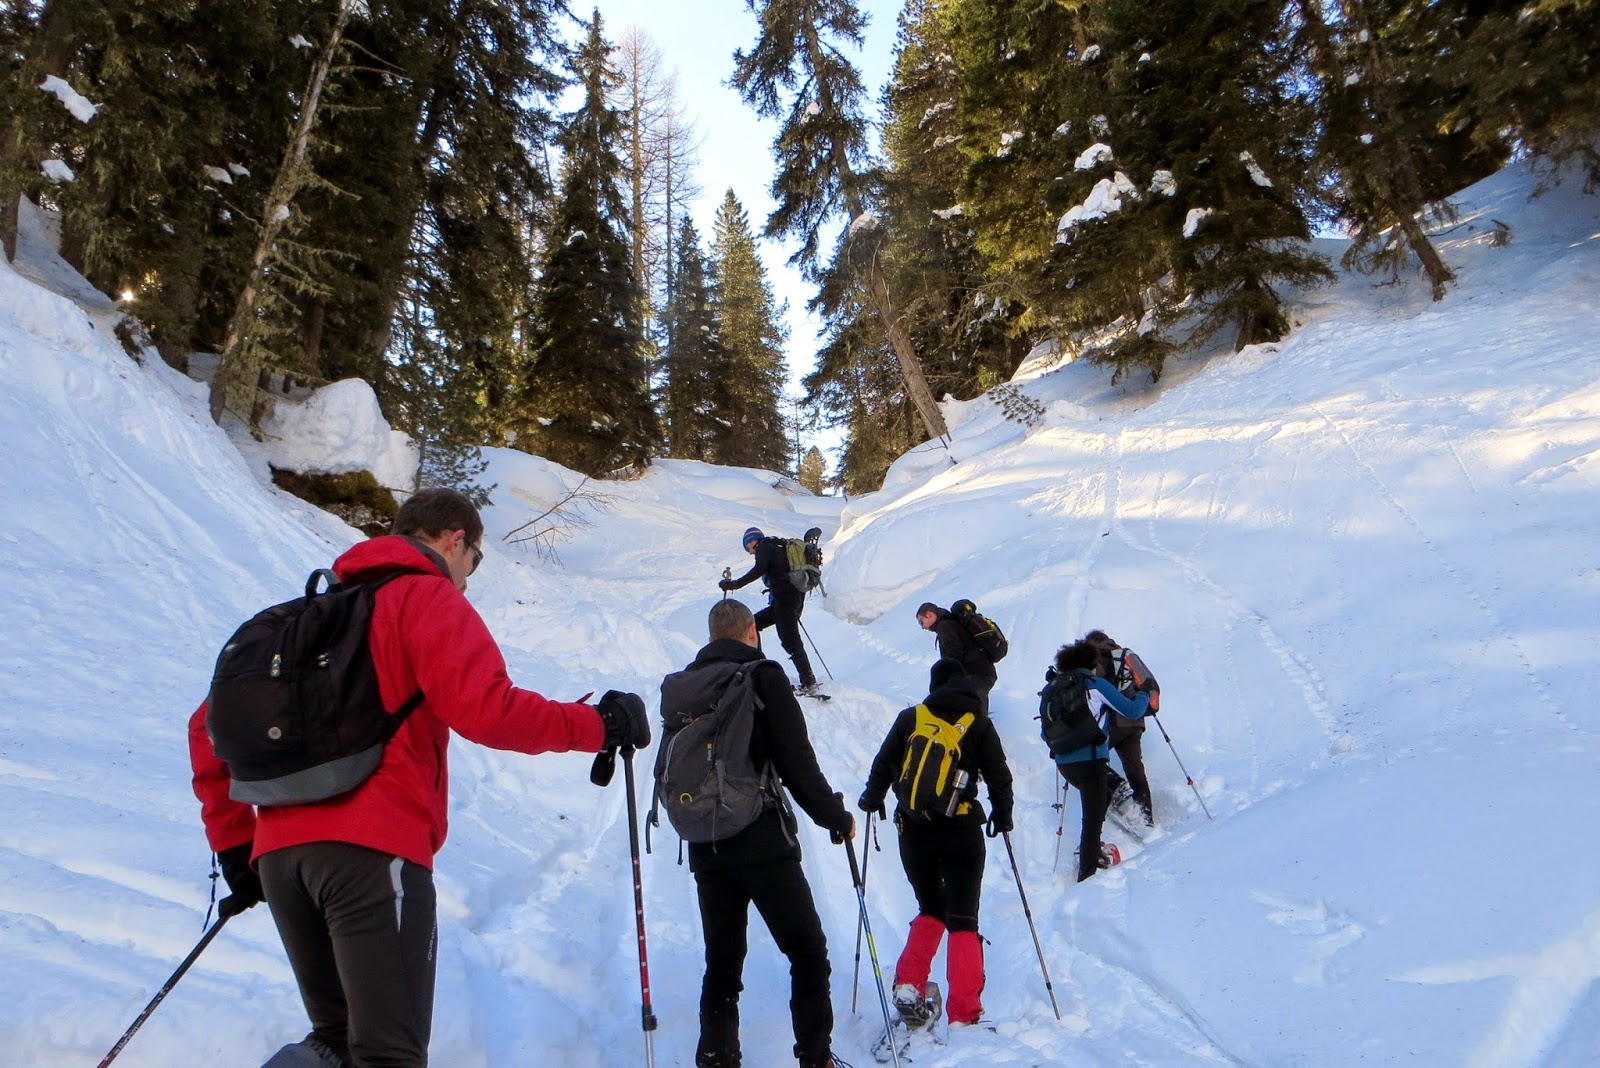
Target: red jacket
pixel 425 635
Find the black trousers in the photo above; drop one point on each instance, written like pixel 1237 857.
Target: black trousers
pixel 1126 741
pixel 780 893
pixel 358 927
pixel 944 865
pixel 1089 776
pixel 784 613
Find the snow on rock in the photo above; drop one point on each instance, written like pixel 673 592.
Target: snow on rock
pixel 1007 139
pixel 1091 53
pixel 1257 175
pixel 340 428
pixel 1063 130
pixel 57 170
pixel 1093 156
pixel 70 98
pixel 1192 221
pixel 1163 184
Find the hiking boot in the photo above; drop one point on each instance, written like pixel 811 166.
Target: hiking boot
pixel 829 1061
pixel 916 1010
pixel 809 689
pixel 1121 795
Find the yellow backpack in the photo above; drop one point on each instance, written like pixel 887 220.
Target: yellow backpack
pixel 926 784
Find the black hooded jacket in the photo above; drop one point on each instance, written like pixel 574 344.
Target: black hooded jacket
pixel 982 756
pixel 958 645
pixel 771 567
pixel 779 735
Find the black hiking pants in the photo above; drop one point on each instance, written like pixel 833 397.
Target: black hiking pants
pixel 1089 776
pixel 1127 737
pixel 358 927
pixel 944 865
pixel 780 893
pixel 783 612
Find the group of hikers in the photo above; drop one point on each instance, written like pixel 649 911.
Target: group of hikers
pixel 339 840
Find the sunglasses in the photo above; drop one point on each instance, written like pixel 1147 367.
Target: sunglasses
pixel 477 558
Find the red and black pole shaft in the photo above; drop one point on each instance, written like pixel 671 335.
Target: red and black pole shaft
pixel 647 1016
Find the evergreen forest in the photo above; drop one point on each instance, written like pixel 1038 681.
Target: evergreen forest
pixel 481 207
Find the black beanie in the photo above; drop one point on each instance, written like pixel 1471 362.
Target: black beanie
pixel 943 671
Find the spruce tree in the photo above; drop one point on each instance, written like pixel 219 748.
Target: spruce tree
pixel 694 357
pixel 813 470
pixel 586 402
pixel 798 73
pixel 748 386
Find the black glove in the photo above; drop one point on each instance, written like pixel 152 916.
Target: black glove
pixel 726 584
pixel 999 825
pixel 242 879
pixel 840 835
pixel 627 725
pixel 866 804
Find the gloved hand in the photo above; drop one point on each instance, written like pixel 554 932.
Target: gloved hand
pixel 866 804
pixel 840 836
pixel 627 725
pixel 242 880
pixel 999 824
pixel 725 584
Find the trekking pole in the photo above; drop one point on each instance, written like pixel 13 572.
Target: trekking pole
pixel 1061 806
pixel 866 858
pixel 205 940
pixel 1186 775
pixel 872 950
pixel 1016 874
pixel 647 1014
pixel 727 573
pixel 814 648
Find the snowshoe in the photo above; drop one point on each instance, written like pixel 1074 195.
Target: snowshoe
pixel 1131 818
pixel 918 1012
pixel 1110 855
pixel 812 689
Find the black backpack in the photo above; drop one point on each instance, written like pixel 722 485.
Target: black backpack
pixel 295 711
pixel 705 778
pixel 985 633
pixel 805 560
pixel 1065 722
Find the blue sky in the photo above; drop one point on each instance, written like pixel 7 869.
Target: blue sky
pixel 697 39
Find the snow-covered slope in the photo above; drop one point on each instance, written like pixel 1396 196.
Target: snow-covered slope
pixel 1360 561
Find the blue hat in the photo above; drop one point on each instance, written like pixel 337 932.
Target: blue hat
pixel 750 535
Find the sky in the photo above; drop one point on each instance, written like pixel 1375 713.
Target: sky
pixel 697 39
pixel 1361 562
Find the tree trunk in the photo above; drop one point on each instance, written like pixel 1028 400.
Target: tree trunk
pixel 234 382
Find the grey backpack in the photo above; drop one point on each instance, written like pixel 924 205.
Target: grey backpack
pixel 705 779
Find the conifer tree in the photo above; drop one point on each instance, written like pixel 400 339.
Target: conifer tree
pixel 694 359
pixel 587 397
pixel 798 73
pixel 813 470
pixel 749 384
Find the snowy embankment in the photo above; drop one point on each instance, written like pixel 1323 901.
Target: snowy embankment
pixel 1360 561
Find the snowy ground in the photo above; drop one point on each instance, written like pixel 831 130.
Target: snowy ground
pixel 1361 562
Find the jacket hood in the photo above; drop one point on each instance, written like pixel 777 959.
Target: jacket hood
pixel 378 555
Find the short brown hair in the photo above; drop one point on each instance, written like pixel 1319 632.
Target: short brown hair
pixel 1102 639
pixel 926 607
pixel 437 511
pixel 729 618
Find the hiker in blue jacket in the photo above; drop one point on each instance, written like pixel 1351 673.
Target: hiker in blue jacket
pixel 1086 767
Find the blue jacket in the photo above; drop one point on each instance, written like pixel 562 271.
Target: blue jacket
pixel 1110 700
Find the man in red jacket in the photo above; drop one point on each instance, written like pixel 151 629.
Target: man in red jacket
pixel 349 880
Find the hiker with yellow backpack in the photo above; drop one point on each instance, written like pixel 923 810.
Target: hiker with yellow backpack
pixel 934 757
